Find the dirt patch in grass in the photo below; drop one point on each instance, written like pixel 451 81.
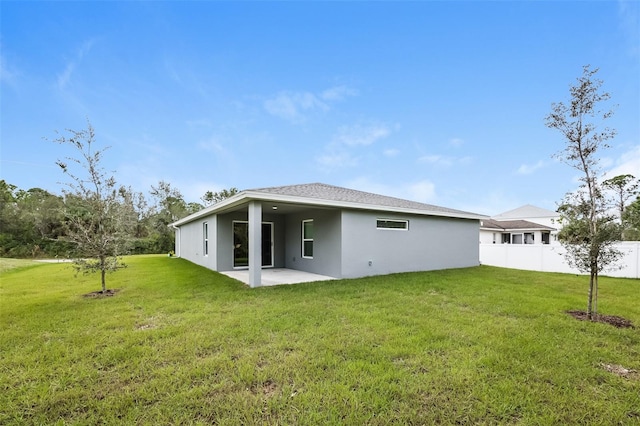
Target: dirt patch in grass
pixel 99 294
pixel 621 371
pixel 268 388
pixel 613 320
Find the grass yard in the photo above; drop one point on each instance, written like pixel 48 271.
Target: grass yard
pixel 179 344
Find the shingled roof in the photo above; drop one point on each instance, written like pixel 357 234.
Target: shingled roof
pixel 321 191
pixel 320 194
pixel 513 225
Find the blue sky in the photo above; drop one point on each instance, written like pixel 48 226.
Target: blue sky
pixel 439 102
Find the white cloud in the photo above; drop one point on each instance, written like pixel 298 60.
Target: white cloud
pixel 337 159
pixel 456 142
pixel 213 144
pixel 627 163
pixel 628 21
pixel 527 169
pixel 361 135
pixel 338 93
pixel 436 159
pixel 291 106
pixel 338 153
pixel 7 74
pixel 391 152
pixel 64 78
pixel 422 191
pixel 443 161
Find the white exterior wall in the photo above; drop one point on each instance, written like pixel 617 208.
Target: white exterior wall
pixel 190 246
pixel 550 258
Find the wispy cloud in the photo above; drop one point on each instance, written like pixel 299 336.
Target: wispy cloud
pixel 423 191
pixel 456 142
pixel 339 153
pixel 64 78
pixel 8 75
pixel 361 134
pixel 628 15
pixel 527 169
pixel 627 163
pixel 443 160
pixel 294 106
pixel 213 144
pixel 338 93
pixel 337 159
pixel 391 152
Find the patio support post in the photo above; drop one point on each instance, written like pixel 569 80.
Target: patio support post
pixel 255 244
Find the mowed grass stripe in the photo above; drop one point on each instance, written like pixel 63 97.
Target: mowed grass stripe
pixel 182 344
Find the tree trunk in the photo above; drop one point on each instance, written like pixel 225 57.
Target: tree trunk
pixel 590 299
pixel 595 295
pixel 103 272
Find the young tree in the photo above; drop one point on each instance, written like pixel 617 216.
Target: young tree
pixel 97 218
pixel 588 232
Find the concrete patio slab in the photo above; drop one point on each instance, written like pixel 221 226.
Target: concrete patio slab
pixel 278 276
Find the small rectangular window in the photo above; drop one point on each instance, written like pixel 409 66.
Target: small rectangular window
pixel 307 239
pixel 516 238
pixel 392 224
pixel 205 238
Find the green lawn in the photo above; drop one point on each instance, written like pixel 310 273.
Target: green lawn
pixel 180 344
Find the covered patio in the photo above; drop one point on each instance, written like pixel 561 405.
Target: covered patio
pixel 277 276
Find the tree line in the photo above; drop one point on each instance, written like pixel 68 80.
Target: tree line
pixel 36 223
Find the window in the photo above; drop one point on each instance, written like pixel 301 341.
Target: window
pixel 392 224
pixel 545 237
pixel 516 238
pixel 528 238
pixel 307 239
pixel 506 238
pixel 205 239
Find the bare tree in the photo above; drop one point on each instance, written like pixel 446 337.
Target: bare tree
pixel 98 218
pixel 588 231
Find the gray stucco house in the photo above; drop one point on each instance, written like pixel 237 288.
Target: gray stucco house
pixel 327 230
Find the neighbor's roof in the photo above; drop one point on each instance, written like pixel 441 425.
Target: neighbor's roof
pixel 320 194
pixel 526 211
pixel 513 225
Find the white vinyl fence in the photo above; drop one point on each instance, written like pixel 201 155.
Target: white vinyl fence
pixel 550 258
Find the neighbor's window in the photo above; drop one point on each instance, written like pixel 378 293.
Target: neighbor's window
pixel 392 224
pixel 307 238
pixel 516 238
pixel 205 238
pixel 506 238
pixel 545 237
pixel 528 238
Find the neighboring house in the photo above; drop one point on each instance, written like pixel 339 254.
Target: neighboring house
pixel 526 238
pixel 525 225
pixel 514 232
pixel 531 213
pixel 328 230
